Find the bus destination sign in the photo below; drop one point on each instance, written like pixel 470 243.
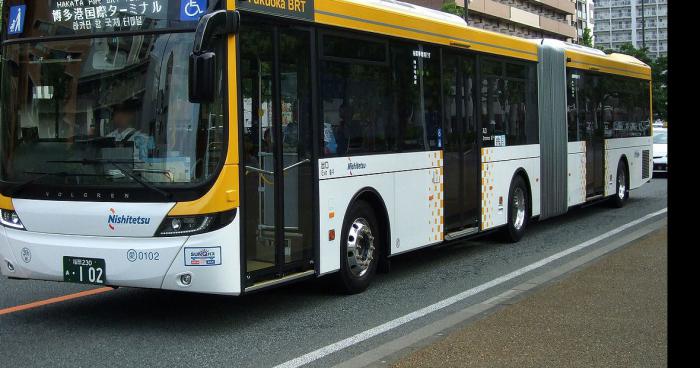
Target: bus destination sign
pixel 299 9
pixel 103 15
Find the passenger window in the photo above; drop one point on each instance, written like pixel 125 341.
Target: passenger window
pixel 646 108
pixel 617 107
pixel 492 101
pixel 509 104
pixel 379 97
pixel 576 105
pixel 432 101
pixel 355 90
pixel 416 87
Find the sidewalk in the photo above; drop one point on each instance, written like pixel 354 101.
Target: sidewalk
pixel 611 313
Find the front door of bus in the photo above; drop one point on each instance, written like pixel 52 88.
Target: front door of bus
pixel 461 158
pixel 275 76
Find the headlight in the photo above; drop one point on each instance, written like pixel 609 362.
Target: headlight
pixel 191 225
pixel 11 219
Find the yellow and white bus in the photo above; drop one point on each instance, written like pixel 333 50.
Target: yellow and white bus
pixel 223 146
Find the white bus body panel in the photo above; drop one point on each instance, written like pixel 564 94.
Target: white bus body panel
pixel 48 249
pixel 632 148
pixel 90 218
pixel 221 279
pixel 410 184
pixel 47 252
pixel 576 185
pixel 498 166
pixel 419 217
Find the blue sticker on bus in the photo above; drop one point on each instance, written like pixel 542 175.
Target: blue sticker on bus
pixel 16 21
pixel 192 10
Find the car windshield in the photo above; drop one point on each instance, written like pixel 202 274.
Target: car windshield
pixel 661 138
pixel 106 112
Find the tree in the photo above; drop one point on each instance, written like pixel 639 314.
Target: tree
pixel 659 75
pixel 642 53
pixel 587 37
pixel 449 6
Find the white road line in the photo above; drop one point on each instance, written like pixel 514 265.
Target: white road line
pixel 367 334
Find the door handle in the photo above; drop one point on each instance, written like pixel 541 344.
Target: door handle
pixel 261 171
pixel 296 164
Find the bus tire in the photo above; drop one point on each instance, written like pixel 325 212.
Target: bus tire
pixel 360 246
pixel 519 209
pixel 622 190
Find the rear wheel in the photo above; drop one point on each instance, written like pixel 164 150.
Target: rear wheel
pixel 518 209
pixel 622 191
pixel 361 242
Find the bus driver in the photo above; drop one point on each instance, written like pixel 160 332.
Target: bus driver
pixel 123 119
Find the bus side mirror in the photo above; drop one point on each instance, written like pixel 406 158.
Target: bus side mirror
pixel 202 76
pixel 202 65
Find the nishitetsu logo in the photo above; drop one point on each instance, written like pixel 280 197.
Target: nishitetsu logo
pixel 355 166
pixel 115 219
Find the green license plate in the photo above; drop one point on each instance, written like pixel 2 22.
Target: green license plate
pixel 84 270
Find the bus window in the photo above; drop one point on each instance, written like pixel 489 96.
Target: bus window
pixel 432 103
pixel 407 101
pixel 356 99
pixel 373 103
pixel 509 103
pixel 416 87
pixel 572 104
pixel 121 98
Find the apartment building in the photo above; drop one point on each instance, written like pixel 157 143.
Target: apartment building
pixel 643 24
pixel 584 17
pixel 524 18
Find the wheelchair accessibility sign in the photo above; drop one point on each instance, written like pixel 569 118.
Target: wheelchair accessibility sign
pixel 191 10
pixel 15 24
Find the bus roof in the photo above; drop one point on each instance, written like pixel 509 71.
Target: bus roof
pixel 588 58
pixel 400 19
pixel 396 18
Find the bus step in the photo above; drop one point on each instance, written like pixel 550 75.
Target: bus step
pixel 282 280
pixel 461 233
pixel 594 198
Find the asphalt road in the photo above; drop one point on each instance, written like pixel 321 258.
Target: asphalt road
pixel 610 312
pixel 131 327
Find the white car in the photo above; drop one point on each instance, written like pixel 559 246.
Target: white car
pixel 660 150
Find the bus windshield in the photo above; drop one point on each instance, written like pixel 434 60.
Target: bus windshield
pixel 106 112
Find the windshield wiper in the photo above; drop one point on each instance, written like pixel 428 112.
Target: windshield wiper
pixel 23 185
pixel 114 163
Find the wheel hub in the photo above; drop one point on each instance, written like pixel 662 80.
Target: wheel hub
pixel 621 185
pixel 360 244
pixel 519 207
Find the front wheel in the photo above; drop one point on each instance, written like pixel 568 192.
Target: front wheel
pixel 622 192
pixel 518 210
pixel 359 249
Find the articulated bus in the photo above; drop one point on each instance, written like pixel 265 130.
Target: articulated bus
pixel 230 146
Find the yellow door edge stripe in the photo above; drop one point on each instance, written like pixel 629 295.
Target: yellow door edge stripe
pixel 222 196
pixel 6 203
